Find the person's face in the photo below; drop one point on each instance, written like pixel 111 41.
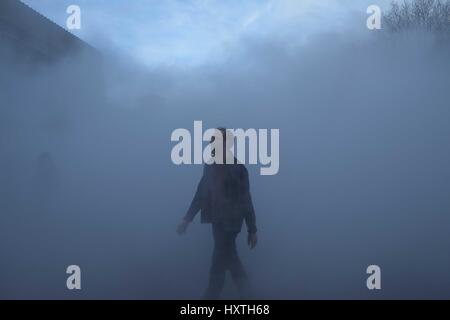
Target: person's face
pixel 227 141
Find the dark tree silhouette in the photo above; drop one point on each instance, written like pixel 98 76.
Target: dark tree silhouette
pixel 429 15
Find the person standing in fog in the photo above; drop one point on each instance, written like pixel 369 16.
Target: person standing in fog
pixel 223 197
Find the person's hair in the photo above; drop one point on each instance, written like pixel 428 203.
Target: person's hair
pixel 223 131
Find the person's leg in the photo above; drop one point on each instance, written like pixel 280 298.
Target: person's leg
pixel 237 270
pixel 218 265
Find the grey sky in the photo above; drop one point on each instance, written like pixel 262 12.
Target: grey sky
pixel 195 32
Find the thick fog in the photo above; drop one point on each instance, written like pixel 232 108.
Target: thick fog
pixel 86 176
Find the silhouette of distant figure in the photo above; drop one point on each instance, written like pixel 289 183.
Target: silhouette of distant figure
pixel 223 197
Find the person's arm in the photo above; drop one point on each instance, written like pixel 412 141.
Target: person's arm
pixel 197 201
pixel 195 206
pixel 250 217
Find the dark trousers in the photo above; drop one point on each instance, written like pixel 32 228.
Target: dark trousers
pixel 225 258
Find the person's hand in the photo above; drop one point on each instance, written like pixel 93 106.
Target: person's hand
pixel 181 228
pixel 252 240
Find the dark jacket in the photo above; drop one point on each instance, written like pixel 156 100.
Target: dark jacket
pixel 223 196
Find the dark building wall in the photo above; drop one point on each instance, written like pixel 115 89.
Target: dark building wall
pixel 44 67
pixel 32 35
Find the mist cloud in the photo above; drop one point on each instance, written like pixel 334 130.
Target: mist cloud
pixel 86 175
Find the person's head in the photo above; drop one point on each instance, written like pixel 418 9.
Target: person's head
pixel 227 138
